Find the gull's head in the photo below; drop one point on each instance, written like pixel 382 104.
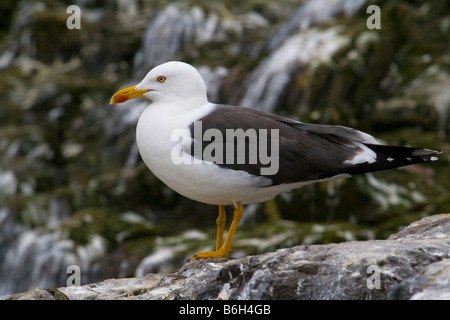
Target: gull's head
pixel 172 81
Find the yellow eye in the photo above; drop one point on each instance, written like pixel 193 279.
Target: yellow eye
pixel 161 79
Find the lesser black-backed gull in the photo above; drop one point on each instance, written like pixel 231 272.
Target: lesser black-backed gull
pixel 228 155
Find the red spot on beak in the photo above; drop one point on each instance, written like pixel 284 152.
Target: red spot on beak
pixel 121 99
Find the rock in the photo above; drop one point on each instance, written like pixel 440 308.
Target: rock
pixel 432 227
pixel 412 264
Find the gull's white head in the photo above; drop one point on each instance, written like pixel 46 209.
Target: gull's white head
pixel 172 81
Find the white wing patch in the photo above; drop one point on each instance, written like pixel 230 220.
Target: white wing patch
pixel 366 155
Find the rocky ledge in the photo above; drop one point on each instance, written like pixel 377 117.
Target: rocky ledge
pixel 411 264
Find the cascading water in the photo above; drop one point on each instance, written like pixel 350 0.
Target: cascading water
pixel 172 32
pixel 269 79
pixel 312 13
pixel 294 46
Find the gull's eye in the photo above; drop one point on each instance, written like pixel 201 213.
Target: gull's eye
pixel 161 79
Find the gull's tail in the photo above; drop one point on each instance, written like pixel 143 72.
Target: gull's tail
pixel 389 157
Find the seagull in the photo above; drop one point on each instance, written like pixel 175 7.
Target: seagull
pixel 230 155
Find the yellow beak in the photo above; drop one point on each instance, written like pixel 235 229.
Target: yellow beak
pixel 127 94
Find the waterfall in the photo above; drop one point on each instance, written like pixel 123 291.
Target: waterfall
pixel 296 45
pixel 313 12
pixel 307 49
pixel 47 256
pixel 172 32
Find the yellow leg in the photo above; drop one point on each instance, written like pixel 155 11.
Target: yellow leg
pixel 220 222
pixel 226 246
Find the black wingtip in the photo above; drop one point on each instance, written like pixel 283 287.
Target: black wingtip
pixel 426 154
pixel 390 157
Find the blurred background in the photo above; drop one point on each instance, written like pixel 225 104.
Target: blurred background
pixel 73 189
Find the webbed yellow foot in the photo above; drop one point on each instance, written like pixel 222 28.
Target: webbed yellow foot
pixel 221 253
pixel 225 248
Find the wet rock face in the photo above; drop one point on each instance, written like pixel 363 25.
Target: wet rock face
pixel 412 264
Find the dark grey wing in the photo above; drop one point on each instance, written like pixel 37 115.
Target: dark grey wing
pixel 345 133
pixel 298 151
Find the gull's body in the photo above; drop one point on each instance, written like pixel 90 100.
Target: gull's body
pixel 197 182
pixel 307 153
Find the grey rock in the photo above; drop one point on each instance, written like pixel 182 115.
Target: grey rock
pixel 412 264
pixel 432 227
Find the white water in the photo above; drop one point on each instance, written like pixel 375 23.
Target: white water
pixel 307 49
pixel 173 31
